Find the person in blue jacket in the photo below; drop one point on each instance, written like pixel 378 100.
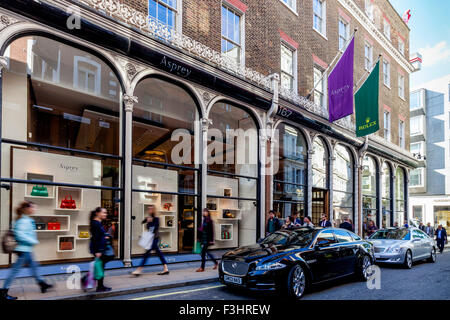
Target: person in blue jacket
pixel 25 234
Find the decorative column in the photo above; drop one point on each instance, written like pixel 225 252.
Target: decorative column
pixel 129 102
pixel 380 195
pixel 406 195
pixel 359 217
pixel 394 195
pixel 356 193
pixel 263 138
pixel 205 123
pixel 330 185
pixel 309 182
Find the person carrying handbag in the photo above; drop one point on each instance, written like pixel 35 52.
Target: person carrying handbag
pixel 26 238
pixel 151 242
pixel 100 246
pixel 206 238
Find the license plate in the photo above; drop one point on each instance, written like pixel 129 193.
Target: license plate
pixel 231 279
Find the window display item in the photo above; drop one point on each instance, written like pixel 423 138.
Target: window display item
pixel 227 192
pixel 228 214
pixel 39 191
pixel 40 225
pixel 226 235
pixel 155 155
pixel 169 222
pixel 68 203
pixel 65 244
pixel 84 235
pixel 211 206
pixel 164 245
pixel 9 242
pixel 167 206
pixel 54 225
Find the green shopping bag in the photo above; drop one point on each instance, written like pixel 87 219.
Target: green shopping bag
pixel 197 247
pixel 98 269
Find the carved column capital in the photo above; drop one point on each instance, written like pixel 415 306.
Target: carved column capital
pixel 3 62
pixel 130 101
pixel 205 123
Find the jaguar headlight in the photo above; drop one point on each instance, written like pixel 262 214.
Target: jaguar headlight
pixel 270 266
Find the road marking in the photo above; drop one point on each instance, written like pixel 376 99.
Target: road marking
pixel 177 292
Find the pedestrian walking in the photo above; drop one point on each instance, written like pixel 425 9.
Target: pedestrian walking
pixel 324 222
pixel 206 237
pixel 26 238
pixel 429 230
pixel 273 223
pixel 152 226
pixel 371 228
pixel 295 219
pixel 406 225
pixel 307 222
pixel 441 238
pixel 421 226
pixel 100 246
pixel 346 224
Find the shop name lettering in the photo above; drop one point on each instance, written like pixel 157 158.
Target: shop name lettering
pixel 175 68
pixel 367 126
pixel 341 90
pixel 68 168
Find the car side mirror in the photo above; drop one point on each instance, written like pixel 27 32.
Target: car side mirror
pixel 322 244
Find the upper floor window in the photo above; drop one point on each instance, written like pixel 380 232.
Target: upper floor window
pixel 368 56
pixel 386 73
pixel 401 134
pixel 87 74
pixel 319 87
pixel 416 125
pixel 319 16
pixel 387 125
pixel 344 33
pixel 369 9
pixel 291 4
pixel 165 11
pixel 231 34
pixel 415 100
pixel 417 148
pixel 387 29
pixel 401 86
pixel 416 178
pixel 287 67
pixel 401 46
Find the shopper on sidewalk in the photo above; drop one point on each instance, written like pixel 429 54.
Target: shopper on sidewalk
pixel 206 238
pixel 307 222
pixel 273 223
pixel 100 243
pixel 429 230
pixel 441 238
pixel 346 224
pixel 25 234
pixel 324 222
pixel 153 227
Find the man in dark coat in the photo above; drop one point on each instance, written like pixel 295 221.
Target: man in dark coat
pixel 441 238
pixel 273 223
pixel 346 224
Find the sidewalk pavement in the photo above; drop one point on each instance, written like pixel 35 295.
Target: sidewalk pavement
pixel 121 281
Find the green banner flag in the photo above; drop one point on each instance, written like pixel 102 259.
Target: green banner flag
pixel 366 104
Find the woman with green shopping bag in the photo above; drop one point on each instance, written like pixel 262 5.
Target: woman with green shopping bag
pixel 100 246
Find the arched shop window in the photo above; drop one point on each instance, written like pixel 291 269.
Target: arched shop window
pixel 399 216
pixel 342 184
pixel 165 175
pixel 232 181
pixel 60 143
pixel 290 180
pixel 320 169
pixel 369 191
pixel 386 193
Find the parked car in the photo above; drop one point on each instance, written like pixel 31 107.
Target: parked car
pixel 293 260
pixel 402 246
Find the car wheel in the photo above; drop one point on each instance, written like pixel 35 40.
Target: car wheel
pixel 296 282
pixel 408 260
pixel 364 269
pixel 432 257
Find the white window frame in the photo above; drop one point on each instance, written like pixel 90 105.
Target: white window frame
pixel 421 125
pixel 401 86
pixel 324 87
pixel 368 59
pixel 347 32
pixel 294 63
pixel 386 28
pixel 401 133
pixel 241 15
pixel 387 125
pixel 368 8
pixel 98 73
pixel 421 93
pixel 178 13
pixel 323 18
pixel 387 73
pixel 421 179
pixel 294 6
pixel 421 147
pixel 401 46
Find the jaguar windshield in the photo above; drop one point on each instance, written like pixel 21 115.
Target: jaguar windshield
pixel 300 237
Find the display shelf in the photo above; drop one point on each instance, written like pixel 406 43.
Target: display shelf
pixel 66 239
pixel 150 195
pixel 225 232
pixel 231 214
pixel 63 220
pixel 168 221
pixel 63 193
pixel 83 228
pixel 42 177
pixel 165 243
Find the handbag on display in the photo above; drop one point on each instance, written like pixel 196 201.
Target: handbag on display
pixel 169 223
pixel 211 206
pixel 65 244
pixel 54 225
pixel 163 245
pixel 39 191
pixel 39 224
pixel 228 214
pixel 84 235
pixel 68 203
pixel 167 206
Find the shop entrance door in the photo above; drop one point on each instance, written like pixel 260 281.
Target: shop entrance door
pixel 319 204
pixel 187 223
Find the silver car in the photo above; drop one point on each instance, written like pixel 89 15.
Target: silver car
pixel 402 246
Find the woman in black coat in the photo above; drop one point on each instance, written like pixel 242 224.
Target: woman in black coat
pixel 206 238
pixel 100 240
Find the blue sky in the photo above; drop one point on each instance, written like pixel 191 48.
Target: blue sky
pixel 430 35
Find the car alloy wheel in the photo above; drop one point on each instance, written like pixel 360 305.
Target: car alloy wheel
pixel 297 281
pixel 432 257
pixel 365 267
pixel 408 259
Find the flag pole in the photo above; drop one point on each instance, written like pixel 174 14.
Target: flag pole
pixel 365 76
pixel 339 54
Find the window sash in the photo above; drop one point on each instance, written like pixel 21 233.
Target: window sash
pixel 401 86
pixel 319 84
pixel 387 125
pixel 386 73
pixel 387 29
pixel 401 133
pixel 368 55
pixel 343 33
pixel 231 34
pixel 318 7
pixel 168 16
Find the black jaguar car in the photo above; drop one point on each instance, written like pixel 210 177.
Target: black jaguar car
pixel 292 260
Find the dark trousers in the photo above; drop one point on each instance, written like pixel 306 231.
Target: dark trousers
pixel 440 244
pixel 204 253
pixel 155 247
